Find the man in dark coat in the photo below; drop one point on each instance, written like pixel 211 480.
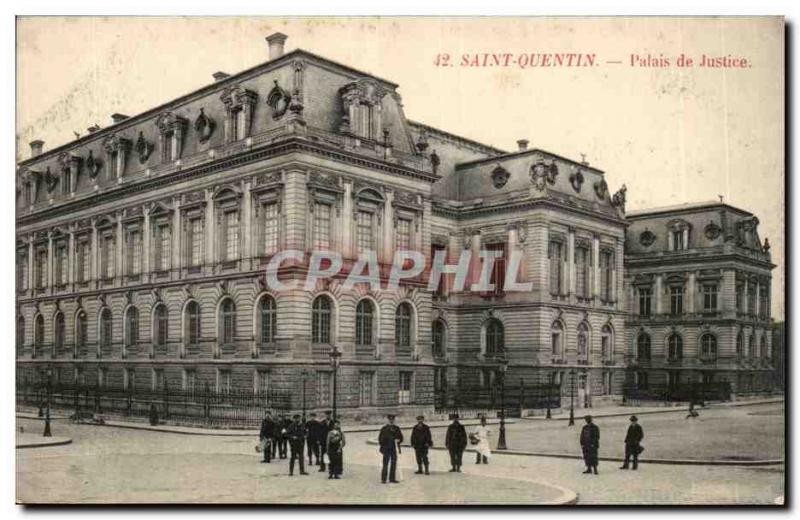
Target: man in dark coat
pixel 296 433
pixel 456 443
pixel 283 437
pixel 267 434
pixel 325 427
pixel 421 441
pixel 632 443
pixel 590 444
pixel 389 440
pixel 313 427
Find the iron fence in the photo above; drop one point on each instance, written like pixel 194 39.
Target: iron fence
pixel 205 407
pixel 512 399
pixel 696 392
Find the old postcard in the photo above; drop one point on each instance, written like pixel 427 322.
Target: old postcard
pixel 411 261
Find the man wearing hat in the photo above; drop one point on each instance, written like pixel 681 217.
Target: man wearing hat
pixel 456 442
pixel 267 435
pixel 632 443
pixel 421 440
pixel 389 440
pixel 325 427
pixel 590 444
pixel 314 430
pixel 296 433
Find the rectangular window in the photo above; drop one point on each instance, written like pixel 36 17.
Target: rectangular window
pixel 231 230
pixel 223 381
pixel 61 264
pixel 606 276
pixel 498 274
pixel 189 380
pixel 324 388
pixel 645 295
pixel 676 300
pixel 751 298
pixel 366 382
pixel 134 252
pixel 677 241
pixel 261 383
pixel 158 380
pixel 236 123
pixel 763 302
pixel 129 379
pixel 107 257
pixel 41 268
pixel 84 262
pixel 166 152
pixel 555 257
pixel 440 289
pixel 66 180
pixel 709 297
pixel 195 246
pixel 403 235
pixel 102 377
pixel 270 216
pixel 605 346
pixel 582 264
pixel 365 232
pixel 739 297
pixel 322 226
pixel 641 380
pixel 163 247
pixel 22 267
pixel 405 391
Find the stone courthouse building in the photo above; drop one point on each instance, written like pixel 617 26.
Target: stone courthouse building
pixel 141 251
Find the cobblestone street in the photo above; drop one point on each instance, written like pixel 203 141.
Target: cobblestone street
pixel 105 464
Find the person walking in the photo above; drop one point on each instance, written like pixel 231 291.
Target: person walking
pixel 389 440
pixel 421 441
pixel 334 446
pixel 590 444
pixel 633 441
pixel 455 442
pixel 483 450
pixel 325 427
pixel 296 434
pixel 314 429
pixel 267 436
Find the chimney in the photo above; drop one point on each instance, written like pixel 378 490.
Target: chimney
pixel 94 128
pixel 276 41
pixel 118 118
pixel 523 145
pixel 36 147
pixel 219 75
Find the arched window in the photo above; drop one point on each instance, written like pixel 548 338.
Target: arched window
pixel 438 332
pixel 751 346
pixel 583 340
pixel 364 314
pixel 495 342
pixel 192 321
pixel 708 347
pixel 268 319
pixel 132 327
pixel 557 338
pixel 321 320
pixel 80 330
pixel 227 320
pixel 20 332
pixel 402 325
pixel 675 347
pixel 160 325
pixel 59 327
pixel 38 334
pixel 740 344
pixel 104 339
pixel 643 347
pixel 606 342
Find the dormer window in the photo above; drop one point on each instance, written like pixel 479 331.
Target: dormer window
pixel 678 237
pixel 70 166
pixel 117 149
pixel 362 103
pixel 171 130
pixel 239 104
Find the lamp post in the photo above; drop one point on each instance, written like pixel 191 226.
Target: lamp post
pixel 572 398
pixel 549 393
pixel 47 432
pixel 501 441
pixel 335 355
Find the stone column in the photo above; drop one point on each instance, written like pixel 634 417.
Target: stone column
pixel 348 250
pixel 94 273
pixel 175 237
pixel 71 257
pixel 757 298
pixel 595 266
pixel 746 303
pixel 571 261
pixel 657 295
pixel 31 263
pixel 147 233
pixel 209 231
pixel 50 262
pixel 388 229
pixel 247 217
pixel 690 293
pixel 120 248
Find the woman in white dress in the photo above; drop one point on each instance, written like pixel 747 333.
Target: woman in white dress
pixel 482 433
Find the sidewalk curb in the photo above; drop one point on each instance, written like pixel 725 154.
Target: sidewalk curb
pixel 56 441
pixel 666 409
pixel 677 462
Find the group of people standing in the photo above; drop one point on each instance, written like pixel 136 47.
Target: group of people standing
pixel 391 437
pixel 321 436
pixel 590 444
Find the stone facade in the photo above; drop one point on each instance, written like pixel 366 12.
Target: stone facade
pixel 141 250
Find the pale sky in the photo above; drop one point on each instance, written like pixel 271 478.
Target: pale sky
pixel 672 135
